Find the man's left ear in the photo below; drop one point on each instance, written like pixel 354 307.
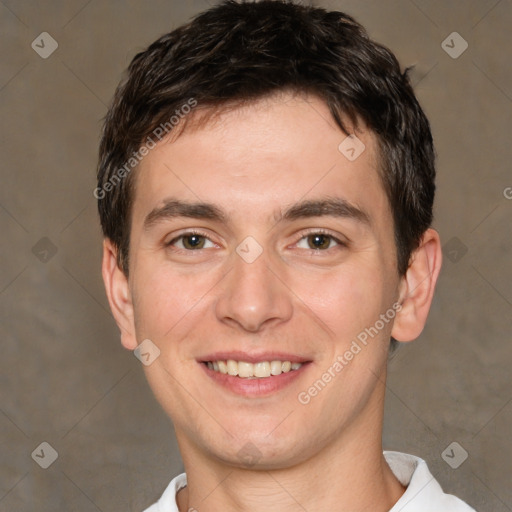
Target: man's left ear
pixel 417 288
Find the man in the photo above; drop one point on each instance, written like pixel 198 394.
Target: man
pixel 265 189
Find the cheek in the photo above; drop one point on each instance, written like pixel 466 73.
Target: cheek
pixel 163 299
pixel 346 300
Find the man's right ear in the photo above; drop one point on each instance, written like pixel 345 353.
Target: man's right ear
pixel 119 296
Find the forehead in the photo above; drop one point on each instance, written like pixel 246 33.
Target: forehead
pixel 261 156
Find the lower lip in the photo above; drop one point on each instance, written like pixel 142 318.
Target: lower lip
pixel 256 387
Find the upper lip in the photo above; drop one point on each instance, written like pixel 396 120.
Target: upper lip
pixel 252 357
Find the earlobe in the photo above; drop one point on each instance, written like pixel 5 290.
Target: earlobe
pixel 417 288
pixel 118 294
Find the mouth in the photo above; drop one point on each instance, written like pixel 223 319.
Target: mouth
pixel 253 375
pixel 257 370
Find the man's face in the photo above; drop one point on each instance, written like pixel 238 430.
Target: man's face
pixel 255 239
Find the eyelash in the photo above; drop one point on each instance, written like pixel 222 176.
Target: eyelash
pixel 324 232
pixel 191 232
pixel 303 235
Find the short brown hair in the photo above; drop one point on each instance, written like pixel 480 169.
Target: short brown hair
pixel 245 51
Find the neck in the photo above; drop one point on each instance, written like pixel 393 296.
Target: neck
pixel 348 473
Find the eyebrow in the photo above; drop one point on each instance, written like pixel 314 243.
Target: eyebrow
pixel 334 207
pixel 173 208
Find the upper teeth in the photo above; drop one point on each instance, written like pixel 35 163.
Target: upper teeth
pixel 247 370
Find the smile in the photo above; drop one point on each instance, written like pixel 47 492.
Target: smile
pixel 246 370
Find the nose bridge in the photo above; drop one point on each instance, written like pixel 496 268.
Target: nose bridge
pixel 252 294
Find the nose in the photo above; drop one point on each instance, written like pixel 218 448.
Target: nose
pixel 253 296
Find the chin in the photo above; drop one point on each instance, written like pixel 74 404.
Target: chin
pixel 263 451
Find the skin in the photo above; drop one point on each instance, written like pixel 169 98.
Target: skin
pixel 253 163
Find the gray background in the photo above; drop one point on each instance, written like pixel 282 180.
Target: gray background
pixel 65 379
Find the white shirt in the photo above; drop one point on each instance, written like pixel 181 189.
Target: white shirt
pixel 423 493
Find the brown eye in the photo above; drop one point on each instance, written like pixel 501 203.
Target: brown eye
pixel 191 242
pixel 319 241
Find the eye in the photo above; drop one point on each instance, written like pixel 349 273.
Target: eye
pixel 318 242
pixel 191 242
